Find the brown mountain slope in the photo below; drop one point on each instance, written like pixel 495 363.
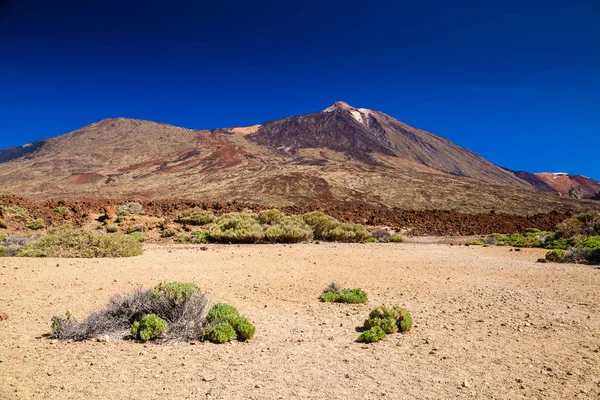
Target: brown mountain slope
pixel 566 183
pixel 342 155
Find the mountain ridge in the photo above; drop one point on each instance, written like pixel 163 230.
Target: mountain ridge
pixel 339 155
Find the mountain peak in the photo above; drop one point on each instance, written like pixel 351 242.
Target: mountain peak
pixel 339 105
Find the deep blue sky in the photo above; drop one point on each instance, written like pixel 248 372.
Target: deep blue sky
pixel 518 82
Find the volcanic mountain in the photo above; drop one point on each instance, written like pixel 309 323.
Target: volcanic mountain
pixel 341 155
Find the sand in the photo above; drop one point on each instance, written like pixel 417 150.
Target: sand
pixel 490 323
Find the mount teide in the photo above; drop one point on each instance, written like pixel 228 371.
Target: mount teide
pixel 341 155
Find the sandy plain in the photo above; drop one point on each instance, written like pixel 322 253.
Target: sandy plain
pixel 490 323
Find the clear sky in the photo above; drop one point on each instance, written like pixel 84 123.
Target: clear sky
pixel 518 82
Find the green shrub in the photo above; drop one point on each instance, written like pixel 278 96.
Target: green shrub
pixel 199 237
pixel 2 251
pixel 592 243
pixel 182 239
pixel 395 238
pixel 17 212
pixel 112 228
pixel 400 315
pixel 196 216
pixel 288 230
pixel 35 225
pixel 168 232
pixel 67 241
pixel 222 312
pixel 176 292
pixel 348 233
pixel 388 325
pixel 222 333
pixel 371 240
pixel 149 327
pixel 271 217
pixel 243 328
pixel 372 335
pixel 341 295
pixel 236 228
pixel 518 240
pixel 475 242
pixel 555 255
pixel 560 244
pixel 139 236
pixel 320 223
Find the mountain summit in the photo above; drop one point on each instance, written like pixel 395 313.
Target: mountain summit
pixel 339 155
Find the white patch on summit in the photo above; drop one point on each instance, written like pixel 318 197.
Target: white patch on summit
pixel 358 116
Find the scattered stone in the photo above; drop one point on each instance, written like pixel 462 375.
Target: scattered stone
pixel 208 378
pixel 194 342
pixel 2 360
pixel 3 317
pixel 466 384
pixel 542 260
pixel 103 339
pixel 203 248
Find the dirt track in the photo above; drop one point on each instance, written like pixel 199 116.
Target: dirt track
pixel 490 323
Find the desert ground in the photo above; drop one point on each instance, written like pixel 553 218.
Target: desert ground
pixel 490 323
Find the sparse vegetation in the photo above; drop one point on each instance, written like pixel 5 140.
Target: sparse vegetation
pixel 229 324
pixel 400 316
pixel 321 224
pixel 138 236
pixel 395 238
pixel 475 242
pixel 198 237
pixel 36 224
pixel 168 232
pixel 336 293
pixel 555 255
pixel 131 209
pixel 136 228
pixel 236 228
pixel 112 228
pixel 288 230
pixel 67 241
pixel 348 233
pixel 196 216
pixel 375 334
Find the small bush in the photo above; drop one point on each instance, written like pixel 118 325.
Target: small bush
pixel 17 212
pixel 168 232
pixel 348 233
pixel 196 216
pixel 335 293
pixel 199 237
pixel 395 238
pixel 388 325
pixel 222 333
pixel 372 335
pixel 150 327
pixel 112 228
pixel 67 241
pixel 138 236
pixel 236 228
pixel 225 314
pixel 320 223
pixel 555 255
pixel 400 315
pixel 288 230
pixel 371 240
pixel 243 328
pixel 271 217
pixel 518 240
pixel 581 255
pixel 175 292
pixel 35 225
pixel 592 243
pixel 560 244
pixel 475 242
pixel 131 209
pixel 182 239
pixel 222 312
pixel 59 209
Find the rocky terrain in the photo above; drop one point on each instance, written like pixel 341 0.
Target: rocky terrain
pixel 339 157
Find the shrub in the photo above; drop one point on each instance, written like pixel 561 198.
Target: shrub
pixel 222 333
pixel 320 223
pixel 138 236
pixel 175 292
pixel 67 241
pixel 182 239
pixel 561 244
pixel 518 240
pixel 168 232
pixel 196 216
pixel 199 237
pixel 149 327
pixel 587 224
pixel 236 228
pixel 555 255
pixel 348 233
pixel 112 228
pixel 371 239
pixel 131 209
pixel 271 217
pixel 243 328
pixel 372 335
pixel 400 315
pixel 475 242
pixel 2 251
pixel 222 312
pixel 395 238
pixel 17 212
pixel 381 235
pixel 35 225
pixel 3 224
pixel 592 243
pixel 335 293
pixel 288 230
pixel 388 325
pixel 187 318
pixel 581 255
pixel 59 209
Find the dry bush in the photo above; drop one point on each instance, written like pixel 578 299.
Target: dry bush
pixel 195 216
pixel 69 242
pixel 236 228
pixel 320 223
pixel 131 209
pixel 271 217
pixel 348 233
pixel 289 230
